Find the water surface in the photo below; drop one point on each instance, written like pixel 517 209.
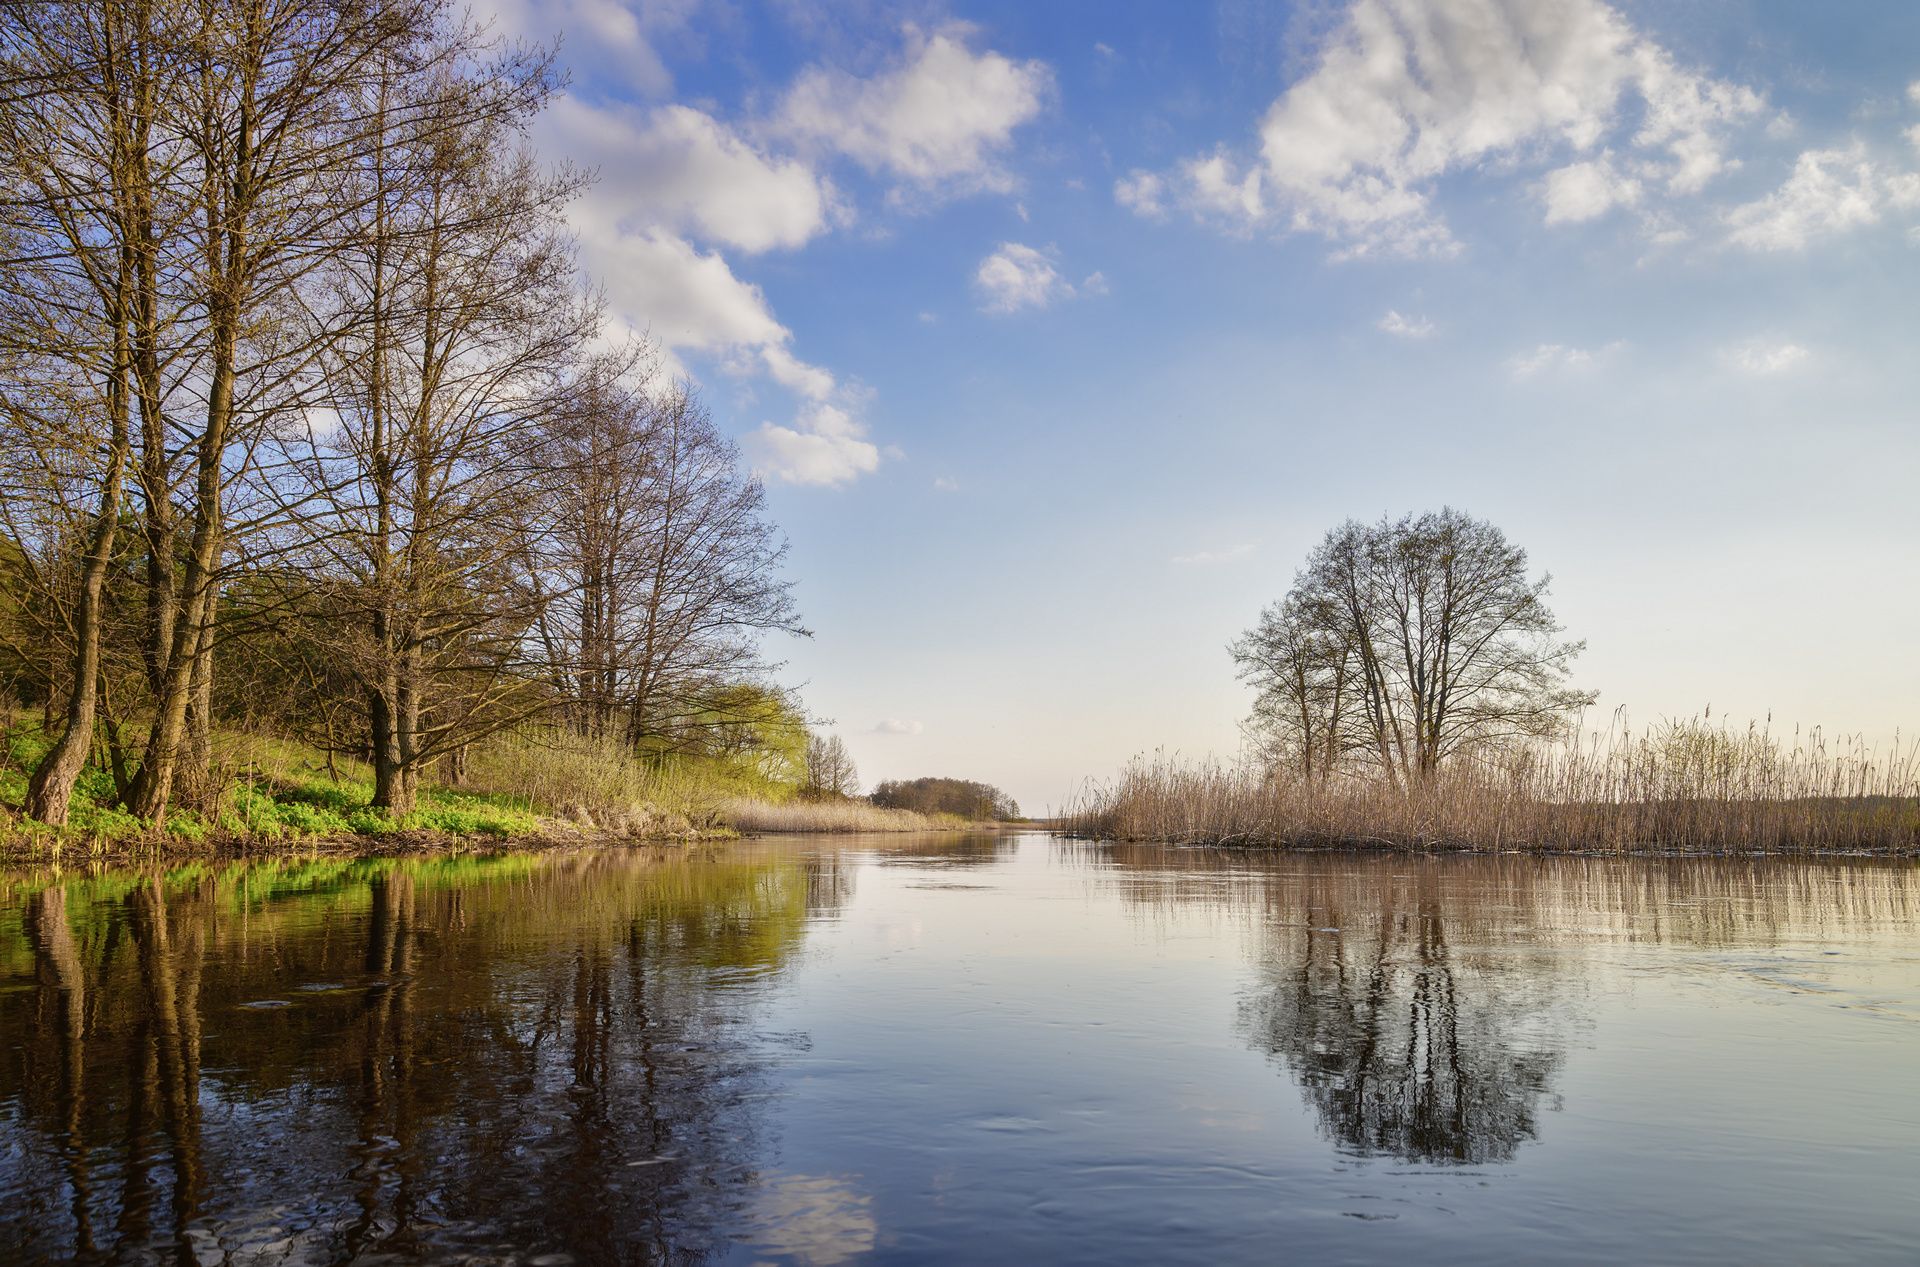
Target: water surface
pixel 963 1049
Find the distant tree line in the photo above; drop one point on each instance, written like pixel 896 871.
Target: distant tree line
pixel 978 801
pixel 1402 645
pixel 306 417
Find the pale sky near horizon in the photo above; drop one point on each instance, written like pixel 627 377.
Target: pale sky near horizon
pixel 1061 332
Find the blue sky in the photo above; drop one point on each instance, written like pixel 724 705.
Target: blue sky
pixel 1061 333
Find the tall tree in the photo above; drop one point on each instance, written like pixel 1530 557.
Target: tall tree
pixel 84 163
pixel 270 96
pixel 1412 641
pixel 455 314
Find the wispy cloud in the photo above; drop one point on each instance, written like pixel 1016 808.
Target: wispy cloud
pixel 895 726
pixel 1210 558
pixel 1764 358
pixel 1560 358
pixel 1405 327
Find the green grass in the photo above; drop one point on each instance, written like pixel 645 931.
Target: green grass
pixel 274 791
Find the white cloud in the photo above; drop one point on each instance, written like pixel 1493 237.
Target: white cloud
pixel 796 375
pixel 938 119
pixel 1830 191
pixel 1142 192
pixel 1913 92
pixel 826 446
pixel 1405 327
pixel 1763 358
pixel 1407 92
pixel 895 726
pixel 1209 558
pixel 1095 283
pixel 1559 358
pixel 1587 190
pixel 602 35
pixel 945 484
pixel 676 167
pixel 686 298
pixel 1016 277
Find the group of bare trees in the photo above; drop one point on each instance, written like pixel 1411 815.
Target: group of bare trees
pixel 1404 644
pixel 305 413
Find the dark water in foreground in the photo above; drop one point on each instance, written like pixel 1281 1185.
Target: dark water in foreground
pixel 963 1050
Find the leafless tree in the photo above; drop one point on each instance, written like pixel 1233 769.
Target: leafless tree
pixel 830 768
pixel 1409 642
pixel 84 167
pixel 268 95
pixel 455 312
pixel 1297 659
pixel 661 570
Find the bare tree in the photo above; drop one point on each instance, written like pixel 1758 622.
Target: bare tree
pixel 456 311
pixel 83 166
pixel 830 768
pixel 1412 641
pixel 1297 660
pixel 659 567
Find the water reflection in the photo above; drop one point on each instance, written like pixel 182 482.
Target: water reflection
pixel 1424 1006
pixel 457 1057
pixel 1404 1043
pixel 987 1048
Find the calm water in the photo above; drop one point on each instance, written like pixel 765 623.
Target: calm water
pixel 1008 1050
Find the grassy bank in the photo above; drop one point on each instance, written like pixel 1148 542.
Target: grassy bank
pixel 274 794
pixel 1686 788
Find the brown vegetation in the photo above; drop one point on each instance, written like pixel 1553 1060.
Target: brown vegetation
pixel 1678 787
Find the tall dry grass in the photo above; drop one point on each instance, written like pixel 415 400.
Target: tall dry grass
pixel 1687 787
pixel 595 784
pixel 755 817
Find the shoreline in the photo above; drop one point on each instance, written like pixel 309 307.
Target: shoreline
pixel 560 835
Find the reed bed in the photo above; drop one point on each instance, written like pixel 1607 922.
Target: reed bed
pixel 1687 787
pixel 753 816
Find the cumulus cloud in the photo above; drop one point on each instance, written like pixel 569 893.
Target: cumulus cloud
pixel 1015 276
pixel 1764 358
pixel 1550 358
pixel 1588 190
pixel 1829 191
pixel 1405 327
pixel 680 168
pixel 618 36
pixel 826 446
pixel 938 119
pixel 895 726
pixel 683 195
pixel 1143 193
pixel 1407 92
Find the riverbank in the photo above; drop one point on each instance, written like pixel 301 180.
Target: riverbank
pixel 268 795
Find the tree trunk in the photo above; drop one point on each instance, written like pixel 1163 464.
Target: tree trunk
pixel 50 791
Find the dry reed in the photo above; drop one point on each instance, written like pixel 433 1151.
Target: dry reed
pixel 830 816
pixel 1680 787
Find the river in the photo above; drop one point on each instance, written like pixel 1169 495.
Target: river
pixel 962 1049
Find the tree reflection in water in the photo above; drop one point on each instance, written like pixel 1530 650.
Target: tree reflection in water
pixel 423 1058
pixel 1425 1004
pixel 1404 1044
